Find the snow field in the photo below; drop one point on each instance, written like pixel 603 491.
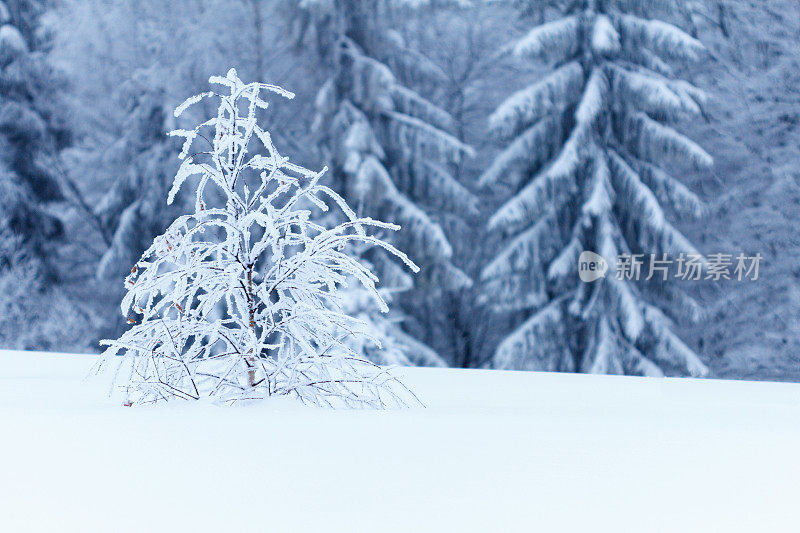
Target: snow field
pixel 493 451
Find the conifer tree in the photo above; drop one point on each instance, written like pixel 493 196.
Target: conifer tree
pixel 32 130
pixel 590 151
pixel 138 163
pixel 35 314
pixel 390 150
pixel 240 299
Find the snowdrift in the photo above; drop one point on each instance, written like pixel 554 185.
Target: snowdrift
pixel 493 451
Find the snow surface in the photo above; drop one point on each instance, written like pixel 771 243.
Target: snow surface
pixel 493 451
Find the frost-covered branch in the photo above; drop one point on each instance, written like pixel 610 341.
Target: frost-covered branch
pixel 240 299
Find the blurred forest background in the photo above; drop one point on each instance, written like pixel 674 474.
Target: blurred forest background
pixel 504 136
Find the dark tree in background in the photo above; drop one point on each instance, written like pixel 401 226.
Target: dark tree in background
pixel 34 311
pixel 391 151
pixel 133 210
pixel 588 147
pixel 33 128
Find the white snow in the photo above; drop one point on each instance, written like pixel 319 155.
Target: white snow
pixel 605 39
pixel 523 108
pixel 557 39
pixel 12 42
pixel 493 452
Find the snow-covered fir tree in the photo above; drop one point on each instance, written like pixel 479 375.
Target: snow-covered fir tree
pixel 391 151
pixel 240 299
pixel 132 211
pixel 34 312
pixel 589 154
pixel 32 129
pixel 394 346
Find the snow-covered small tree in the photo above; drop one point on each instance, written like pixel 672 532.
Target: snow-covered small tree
pixel 589 145
pixel 240 300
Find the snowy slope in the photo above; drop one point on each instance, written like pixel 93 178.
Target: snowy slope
pixel 493 451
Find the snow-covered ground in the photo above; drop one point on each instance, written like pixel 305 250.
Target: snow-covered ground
pixel 493 452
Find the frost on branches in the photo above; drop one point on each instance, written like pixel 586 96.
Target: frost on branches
pixel 591 155
pixel 239 300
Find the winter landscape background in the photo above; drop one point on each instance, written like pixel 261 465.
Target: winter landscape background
pixel 504 136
